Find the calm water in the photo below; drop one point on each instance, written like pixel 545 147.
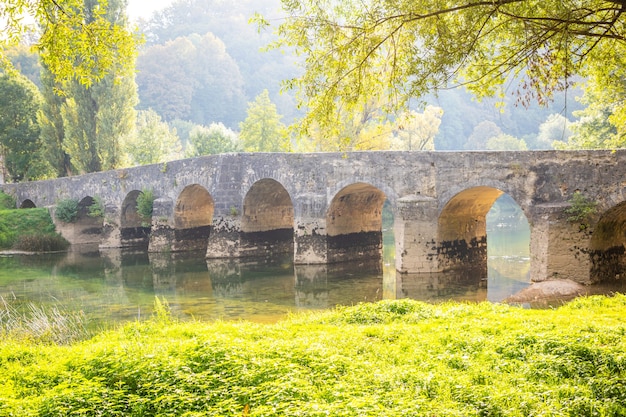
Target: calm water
pixel 115 286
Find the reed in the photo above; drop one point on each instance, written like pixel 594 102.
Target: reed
pixel 39 324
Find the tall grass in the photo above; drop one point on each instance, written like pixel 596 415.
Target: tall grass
pixel 34 323
pixel 393 358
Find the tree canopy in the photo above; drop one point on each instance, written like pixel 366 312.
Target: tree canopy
pixel 74 38
pixel 262 130
pixel 396 50
pixel 19 132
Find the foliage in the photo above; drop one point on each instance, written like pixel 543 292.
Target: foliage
pixel 52 125
pixel 183 129
pixel 555 128
pixel 481 134
pixel 6 201
pixel 24 222
pixel 26 61
pixel 76 39
pixel 398 50
pixel 145 204
pixel 66 210
pixel 154 142
pixel 392 358
pixel 505 142
pixel 602 124
pixel 262 130
pixel 36 324
pixel 96 209
pixel 96 121
pixel 192 78
pixel 416 131
pixel 581 209
pixel 212 140
pixel 97 117
pixel 19 132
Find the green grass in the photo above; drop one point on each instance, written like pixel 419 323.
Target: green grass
pixel 6 201
pixel 393 358
pixel 29 229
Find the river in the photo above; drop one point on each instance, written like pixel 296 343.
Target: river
pixel 116 286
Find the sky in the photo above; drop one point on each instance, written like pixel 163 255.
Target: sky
pixel 144 8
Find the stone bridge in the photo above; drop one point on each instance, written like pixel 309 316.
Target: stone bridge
pixel 327 207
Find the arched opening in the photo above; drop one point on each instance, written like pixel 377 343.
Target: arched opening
pixel 462 229
pixel 267 220
pixel 193 216
pixel 508 249
pixel 354 223
pixel 608 245
pixel 483 232
pixel 88 225
pixel 134 230
pixel 27 204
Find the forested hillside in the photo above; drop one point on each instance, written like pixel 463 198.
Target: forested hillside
pixel 203 61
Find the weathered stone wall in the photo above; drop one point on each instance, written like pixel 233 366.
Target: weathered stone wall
pixel 421 187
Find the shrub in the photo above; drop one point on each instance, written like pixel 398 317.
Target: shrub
pixel 145 204
pixel 96 209
pixel 41 243
pixel 6 201
pixel 581 209
pixel 67 210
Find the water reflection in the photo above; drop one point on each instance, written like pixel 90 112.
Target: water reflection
pixel 114 286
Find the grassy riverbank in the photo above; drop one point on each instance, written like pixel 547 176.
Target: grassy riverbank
pixel 397 358
pixel 29 230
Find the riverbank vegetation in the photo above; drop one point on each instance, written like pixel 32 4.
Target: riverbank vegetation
pixel 29 230
pixel 390 358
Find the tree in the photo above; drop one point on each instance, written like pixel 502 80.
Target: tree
pixel 25 61
pixel 52 126
pixel 395 50
pixel 262 130
pixel 555 128
pixel 602 124
pixel 99 116
pixel 416 131
pixel 19 132
pixel 153 142
pixel 481 134
pixel 76 40
pixel 212 140
pixel 506 142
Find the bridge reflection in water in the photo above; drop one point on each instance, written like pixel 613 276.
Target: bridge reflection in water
pixel 116 285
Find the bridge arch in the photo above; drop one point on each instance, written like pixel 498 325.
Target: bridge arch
pixel 462 229
pixel 193 216
pixel 267 221
pixel 85 229
pixel 608 245
pixel 134 230
pixel 354 223
pixel 27 203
